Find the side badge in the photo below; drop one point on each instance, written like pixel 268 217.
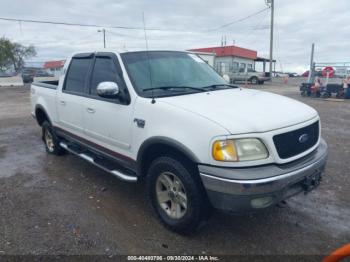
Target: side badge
pixel 140 122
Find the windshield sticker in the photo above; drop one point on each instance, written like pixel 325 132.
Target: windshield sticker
pixel 196 58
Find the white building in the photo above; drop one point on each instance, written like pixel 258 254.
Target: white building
pixel 54 67
pixel 232 58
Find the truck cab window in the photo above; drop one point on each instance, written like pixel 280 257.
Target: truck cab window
pixel 104 70
pixel 76 75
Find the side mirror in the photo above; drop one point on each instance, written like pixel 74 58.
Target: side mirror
pixel 107 89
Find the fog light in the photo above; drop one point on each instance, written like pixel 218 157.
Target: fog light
pixel 261 202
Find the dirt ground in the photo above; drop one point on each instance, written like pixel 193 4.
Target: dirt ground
pixel 62 205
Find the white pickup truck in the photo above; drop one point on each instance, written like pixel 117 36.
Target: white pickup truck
pixel 168 119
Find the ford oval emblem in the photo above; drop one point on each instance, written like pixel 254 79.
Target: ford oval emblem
pixel 303 138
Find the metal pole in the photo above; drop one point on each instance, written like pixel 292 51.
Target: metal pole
pixel 271 35
pixel 311 71
pixel 104 38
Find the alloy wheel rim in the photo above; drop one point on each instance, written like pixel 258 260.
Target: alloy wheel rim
pixel 49 141
pixel 171 195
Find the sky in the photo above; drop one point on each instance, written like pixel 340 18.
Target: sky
pixel 185 24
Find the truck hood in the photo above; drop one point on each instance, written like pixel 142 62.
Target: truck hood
pixel 243 111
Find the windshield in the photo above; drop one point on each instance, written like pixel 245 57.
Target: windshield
pixel 168 73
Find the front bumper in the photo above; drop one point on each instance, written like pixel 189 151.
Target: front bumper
pixel 247 189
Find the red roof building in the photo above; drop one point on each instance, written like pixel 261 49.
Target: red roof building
pixel 54 67
pixel 232 50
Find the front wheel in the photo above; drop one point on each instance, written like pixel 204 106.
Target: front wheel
pixel 176 195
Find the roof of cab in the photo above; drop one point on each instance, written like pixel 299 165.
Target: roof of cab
pixel 87 52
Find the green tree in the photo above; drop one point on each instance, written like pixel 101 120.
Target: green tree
pixel 5 53
pixel 13 54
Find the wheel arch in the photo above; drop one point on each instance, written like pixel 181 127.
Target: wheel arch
pixel 41 115
pixel 157 146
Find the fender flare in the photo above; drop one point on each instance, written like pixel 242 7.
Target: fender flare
pixel 162 140
pixel 37 107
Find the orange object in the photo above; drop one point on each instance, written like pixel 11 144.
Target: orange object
pixel 338 254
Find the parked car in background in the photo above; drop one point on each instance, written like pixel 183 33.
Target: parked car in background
pixel 316 73
pixel 292 74
pixel 6 74
pixel 281 74
pixel 28 74
pixel 196 141
pixel 249 75
pixel 42 73
pixel 305 74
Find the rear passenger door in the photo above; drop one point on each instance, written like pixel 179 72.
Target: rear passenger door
pixel 108 120
pixel 71 98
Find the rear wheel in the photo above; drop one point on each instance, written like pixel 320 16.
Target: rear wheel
pixel 52 143
pixel 176 195
pixel 254 80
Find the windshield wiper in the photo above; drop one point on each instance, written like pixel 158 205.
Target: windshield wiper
pixel 173 88
pixel 215 86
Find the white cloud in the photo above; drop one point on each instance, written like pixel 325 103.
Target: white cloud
pixel 298 24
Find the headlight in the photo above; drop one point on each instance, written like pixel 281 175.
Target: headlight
pixel 234 150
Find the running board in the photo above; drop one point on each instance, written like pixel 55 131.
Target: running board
pixel 90 159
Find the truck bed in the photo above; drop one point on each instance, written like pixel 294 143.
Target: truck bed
pixel 52 84
pixel 45 92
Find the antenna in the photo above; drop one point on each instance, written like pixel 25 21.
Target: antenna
pixel 149 64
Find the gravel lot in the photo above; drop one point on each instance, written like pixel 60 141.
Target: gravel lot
pixel 63 205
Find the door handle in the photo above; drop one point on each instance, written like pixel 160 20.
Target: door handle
pixel 90 110
pixel 63 103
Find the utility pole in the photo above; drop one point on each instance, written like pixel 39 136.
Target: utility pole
pixel 312 65
pixel 272 2
pixel 104 36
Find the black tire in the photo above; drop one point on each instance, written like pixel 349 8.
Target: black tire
pixel 254 80
pixel 198 207
pixel 52 147
pixel 326 95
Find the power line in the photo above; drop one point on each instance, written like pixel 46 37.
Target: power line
pixel 123 27
pixel 259 26
pixel 240 20
pixel 81 25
